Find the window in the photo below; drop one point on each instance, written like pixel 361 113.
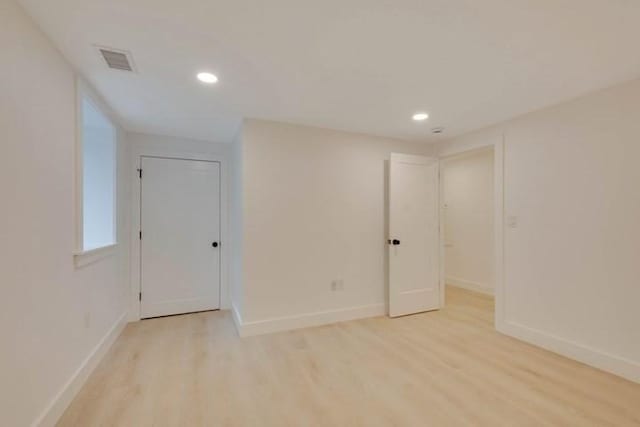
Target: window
pixel 98 178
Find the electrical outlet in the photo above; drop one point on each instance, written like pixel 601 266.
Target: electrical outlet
pixel 87 320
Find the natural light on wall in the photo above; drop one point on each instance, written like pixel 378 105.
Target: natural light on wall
pixel 98 143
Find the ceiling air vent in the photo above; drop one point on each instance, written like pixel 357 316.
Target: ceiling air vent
pixel 117 59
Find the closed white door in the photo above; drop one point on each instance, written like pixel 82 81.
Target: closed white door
pixel 414 247
pixel 180 238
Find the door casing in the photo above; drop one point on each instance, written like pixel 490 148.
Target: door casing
pixel 174 151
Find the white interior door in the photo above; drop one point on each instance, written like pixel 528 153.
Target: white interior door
pixel 414 247
pixel 180 246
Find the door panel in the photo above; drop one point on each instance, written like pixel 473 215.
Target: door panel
pixel 180 220
pixel 414 266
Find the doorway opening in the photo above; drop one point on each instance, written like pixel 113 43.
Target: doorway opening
pixel 468 232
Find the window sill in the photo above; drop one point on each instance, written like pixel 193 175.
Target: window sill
pixel 81 259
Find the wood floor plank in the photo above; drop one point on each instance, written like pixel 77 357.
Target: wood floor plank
pixel 445 368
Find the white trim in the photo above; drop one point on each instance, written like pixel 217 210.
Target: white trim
pixel 136 155
pixel 457 282
pixel 498 231
pixel 412 159
pixel 81 259
pixel 607 362
pixel 442 250
pixel 237 319
pixel 70 389
pixel 307 320
pixel 78 217
pixel 459 155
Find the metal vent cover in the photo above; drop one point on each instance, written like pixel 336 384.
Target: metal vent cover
pixel 117 59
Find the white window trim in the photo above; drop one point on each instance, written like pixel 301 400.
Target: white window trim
pixel 92 255
pixel 81 256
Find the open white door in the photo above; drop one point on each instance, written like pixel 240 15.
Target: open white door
pixel 414 246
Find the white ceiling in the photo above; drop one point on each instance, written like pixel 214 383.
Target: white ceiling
pixel 357 65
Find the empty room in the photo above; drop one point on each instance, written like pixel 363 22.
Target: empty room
pixel 330 213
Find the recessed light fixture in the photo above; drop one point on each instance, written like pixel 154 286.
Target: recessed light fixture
pixel 418 117
pixel 207 78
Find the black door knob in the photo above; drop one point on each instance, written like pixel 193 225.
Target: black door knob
pixel 395 242
pixel 214 244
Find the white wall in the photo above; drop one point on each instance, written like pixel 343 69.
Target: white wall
pixel 571 265
pixel 159 145
pixel 167 146
pixel 468 216
pixel 52 315
pixel 314 207
pixel 236 223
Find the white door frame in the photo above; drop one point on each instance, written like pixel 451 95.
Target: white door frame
pixel 498 223
pixel 135 305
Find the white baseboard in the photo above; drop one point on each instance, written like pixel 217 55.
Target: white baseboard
pixel 63 398
pixel 309 319
pixel 469 285
pixel 237 319
pixel 607 362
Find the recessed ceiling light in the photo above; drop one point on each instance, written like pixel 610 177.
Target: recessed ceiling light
pixel 207 78
pixel 418 117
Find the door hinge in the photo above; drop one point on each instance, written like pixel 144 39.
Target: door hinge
pixel 140 234
pixel 140 173
pixel 140 296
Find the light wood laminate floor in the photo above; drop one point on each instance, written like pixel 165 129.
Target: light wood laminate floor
pixel 446 368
